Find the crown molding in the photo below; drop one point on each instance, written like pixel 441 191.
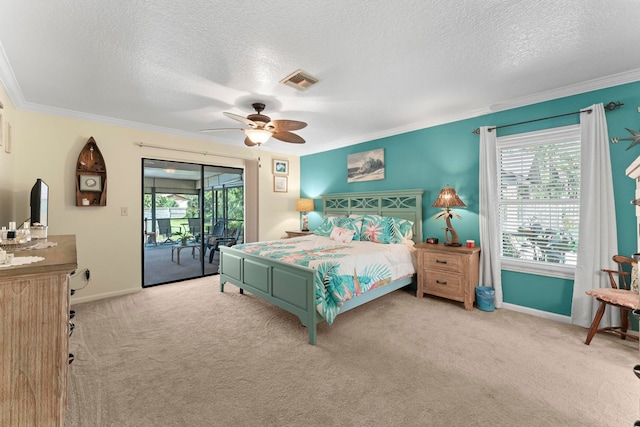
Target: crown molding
pixel 10 83
pixel 8 79
pixel 574 89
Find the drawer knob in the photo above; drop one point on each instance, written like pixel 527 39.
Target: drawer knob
pixel 440 262
pixel 441 282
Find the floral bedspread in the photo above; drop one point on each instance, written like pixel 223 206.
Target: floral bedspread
pixel 343 270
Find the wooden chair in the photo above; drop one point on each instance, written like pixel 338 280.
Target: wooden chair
pixel 619 295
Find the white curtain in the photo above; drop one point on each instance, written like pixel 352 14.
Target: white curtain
pixel 251 201
pixel 490 272
pixel 598 233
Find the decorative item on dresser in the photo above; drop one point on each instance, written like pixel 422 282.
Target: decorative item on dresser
pixel 297 233
pixel 34 326
pixel 448 198
pixel 448 271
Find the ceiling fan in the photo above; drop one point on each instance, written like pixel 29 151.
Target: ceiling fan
pixel 261 127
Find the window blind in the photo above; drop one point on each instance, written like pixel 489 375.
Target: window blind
pixel 539 202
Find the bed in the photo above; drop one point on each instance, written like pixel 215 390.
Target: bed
pixel 292 287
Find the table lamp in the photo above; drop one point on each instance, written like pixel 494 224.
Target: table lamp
pixel 446 199
pixel 304 206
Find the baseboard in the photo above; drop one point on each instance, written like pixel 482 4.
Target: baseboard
pixel 79 300
pixel 538 313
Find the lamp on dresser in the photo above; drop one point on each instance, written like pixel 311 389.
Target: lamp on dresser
pixel 304 206
pixel 447 199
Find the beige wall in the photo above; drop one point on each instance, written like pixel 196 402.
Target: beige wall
pixel 109 244
pixel 6 160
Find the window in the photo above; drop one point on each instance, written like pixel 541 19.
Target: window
pixel 539 201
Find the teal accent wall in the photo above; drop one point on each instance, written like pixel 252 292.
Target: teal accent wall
pixel 449 154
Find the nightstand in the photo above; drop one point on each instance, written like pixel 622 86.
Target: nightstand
pixel 448 271
pixel 298 233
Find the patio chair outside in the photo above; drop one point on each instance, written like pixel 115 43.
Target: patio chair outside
pixel 217 233
pixel 194 228
pixel 166 229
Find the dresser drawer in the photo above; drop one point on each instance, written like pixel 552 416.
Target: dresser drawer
pixel 444 284
pixel 443 261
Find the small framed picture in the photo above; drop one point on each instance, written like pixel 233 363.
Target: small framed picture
pixel 90 183
pixel 280 184
pixel 280 167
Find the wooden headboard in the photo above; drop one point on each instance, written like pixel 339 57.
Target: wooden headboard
pixel 406 204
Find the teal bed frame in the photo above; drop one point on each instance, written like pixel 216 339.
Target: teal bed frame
pixel 292 287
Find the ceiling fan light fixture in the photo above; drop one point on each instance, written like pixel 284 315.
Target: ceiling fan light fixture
pixel 258 136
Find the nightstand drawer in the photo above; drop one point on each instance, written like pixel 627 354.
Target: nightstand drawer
pixel 444 284
pixel 442 261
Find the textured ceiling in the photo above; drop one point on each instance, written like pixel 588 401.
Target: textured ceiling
pixel 385 67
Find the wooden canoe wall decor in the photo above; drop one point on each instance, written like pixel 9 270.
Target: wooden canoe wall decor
pixel 91 176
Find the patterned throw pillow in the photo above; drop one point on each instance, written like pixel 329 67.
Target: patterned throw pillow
pixel 383 229
pixel 376 229
pixel 342 234
pixel 326 227
pixel 353 224
pixel 402 230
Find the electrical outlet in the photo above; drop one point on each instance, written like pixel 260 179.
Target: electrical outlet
pixel 124 211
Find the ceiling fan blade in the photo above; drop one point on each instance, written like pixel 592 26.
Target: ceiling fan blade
pixel 288 137
pixel 241 119
pixel 285 125
pixel 218 129
pixel 249 143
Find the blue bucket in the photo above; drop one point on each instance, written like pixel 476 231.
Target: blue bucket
pixel 485 296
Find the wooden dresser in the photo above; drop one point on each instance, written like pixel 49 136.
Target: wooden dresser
pixel 448 271
pixel 34 336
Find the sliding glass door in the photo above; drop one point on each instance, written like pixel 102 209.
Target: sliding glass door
pixel 188 211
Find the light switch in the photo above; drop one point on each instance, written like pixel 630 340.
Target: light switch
pixel 124 211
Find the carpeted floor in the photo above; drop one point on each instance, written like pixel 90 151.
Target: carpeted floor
pixel 185 354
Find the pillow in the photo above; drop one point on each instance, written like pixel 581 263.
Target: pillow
pixel 383 229
pixel 326 227
pixel 342 234
pixel 402 229
pixel 376 229
pixel 352 224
